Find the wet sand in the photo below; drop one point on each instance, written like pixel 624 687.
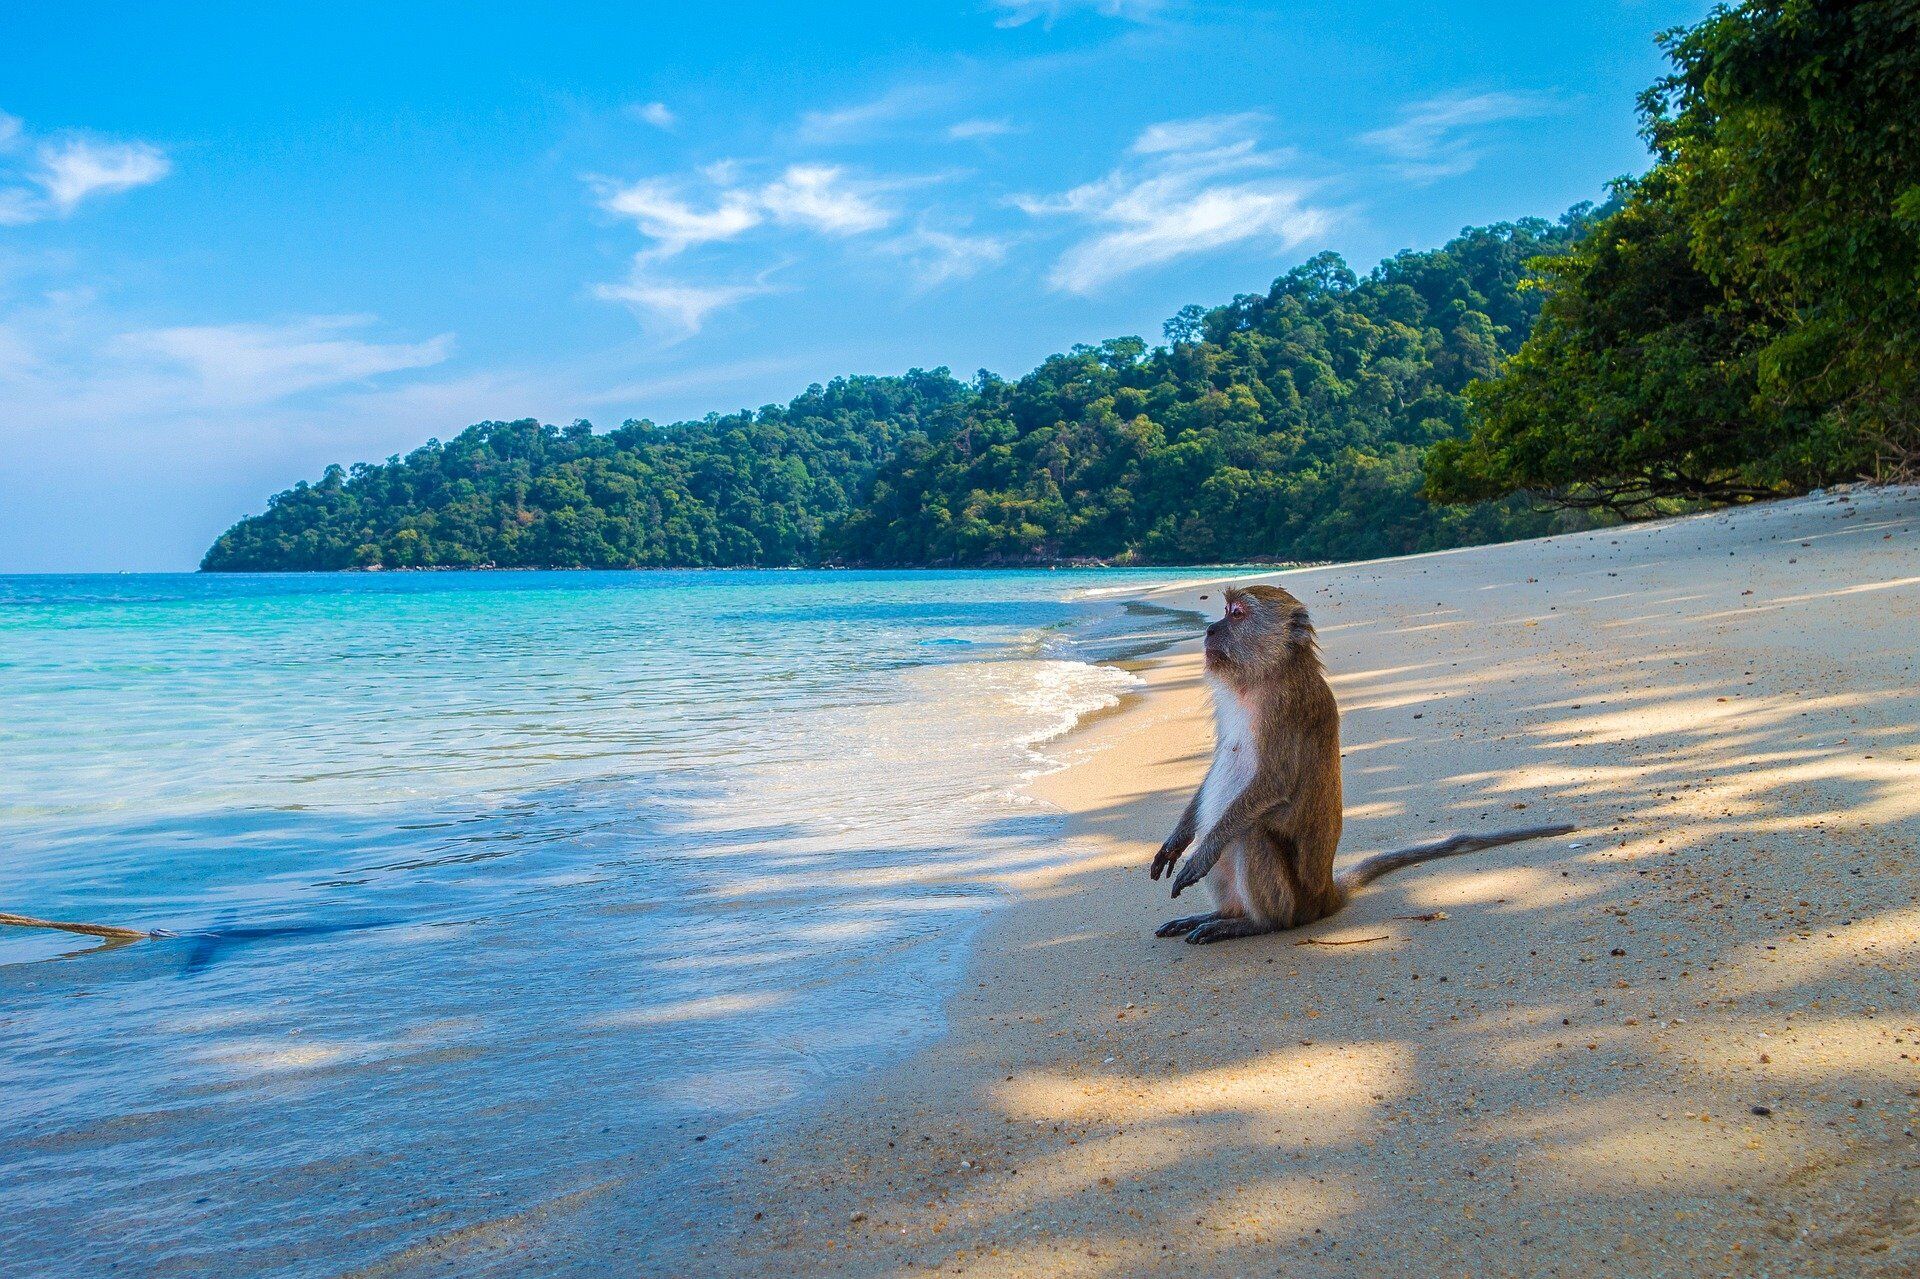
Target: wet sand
pixel 1684 1041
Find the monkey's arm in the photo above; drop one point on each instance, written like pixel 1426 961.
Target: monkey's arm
pixel 1177 842
pixel 1249 807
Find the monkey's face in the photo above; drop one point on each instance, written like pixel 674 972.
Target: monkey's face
pixel 1230 639
pixel 1260 628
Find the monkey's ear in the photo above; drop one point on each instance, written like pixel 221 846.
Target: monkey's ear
pixel 1299 628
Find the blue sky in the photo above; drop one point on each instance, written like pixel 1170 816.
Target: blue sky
pixel 241 241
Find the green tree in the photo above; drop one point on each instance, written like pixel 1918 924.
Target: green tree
pixel 1790 131
pixel 1286 424
pixel 1283 425
pixel 1637 384
pixel 1747 322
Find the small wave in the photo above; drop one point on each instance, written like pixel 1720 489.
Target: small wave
pixel 1163 586
pixel 999 719
pixel 1062 693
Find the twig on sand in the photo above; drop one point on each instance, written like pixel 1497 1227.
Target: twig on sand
pixel 1427 918
pixel 107 931
pixel 1354 941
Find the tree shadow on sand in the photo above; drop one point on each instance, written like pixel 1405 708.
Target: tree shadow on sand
pixel 1683 1040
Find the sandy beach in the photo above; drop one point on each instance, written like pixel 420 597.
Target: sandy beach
pixel 1683 1041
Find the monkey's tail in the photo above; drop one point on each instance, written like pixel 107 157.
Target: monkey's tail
pixel 1382 864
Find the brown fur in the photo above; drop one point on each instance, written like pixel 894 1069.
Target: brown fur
pixel 1273 841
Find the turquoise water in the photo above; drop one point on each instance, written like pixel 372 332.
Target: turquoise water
pixel 486 887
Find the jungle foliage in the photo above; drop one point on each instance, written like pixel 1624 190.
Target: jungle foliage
pixel 1286 424
pixel 1747 321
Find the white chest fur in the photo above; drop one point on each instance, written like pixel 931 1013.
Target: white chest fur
pixel 1234 757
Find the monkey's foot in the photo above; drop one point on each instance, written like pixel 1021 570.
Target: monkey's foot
pixel 1183 926
pixel 1221 928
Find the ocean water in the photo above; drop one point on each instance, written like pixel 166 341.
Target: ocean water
pixel 486 888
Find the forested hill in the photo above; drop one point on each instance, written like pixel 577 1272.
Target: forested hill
pixel 1288 424
pixel 762 487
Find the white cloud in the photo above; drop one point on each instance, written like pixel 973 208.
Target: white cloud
pixel 675 305
pixel 1209 133
pixel 968 130
pixel 673 223
pixel 70 366
pixel 1428 142
pixel 73 170
pixel 238 364
pixel 1189 186
pixel 863 119
pixel 61 173
pixel 1016 13
pixel 818 197
pixel 19 207
pixel 1159 222
pixel 939 256
pixel 657 114
pixel 821 197
pixel 125 446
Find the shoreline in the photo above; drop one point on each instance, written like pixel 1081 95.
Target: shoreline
pixel 775 894
pixel 1559 1071
pixel 1009 566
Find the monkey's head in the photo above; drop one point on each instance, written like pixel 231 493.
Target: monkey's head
pixel 1264 628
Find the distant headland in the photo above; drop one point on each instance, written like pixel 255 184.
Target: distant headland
pixel 1287 425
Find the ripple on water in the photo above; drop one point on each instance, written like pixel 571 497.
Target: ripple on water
pixel 489 886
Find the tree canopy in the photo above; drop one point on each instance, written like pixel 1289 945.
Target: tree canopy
pixel 745 488
pixel 1747 321
pixel 1743 320
pixel 1286 424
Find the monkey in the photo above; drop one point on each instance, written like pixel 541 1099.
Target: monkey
pixel 1266 820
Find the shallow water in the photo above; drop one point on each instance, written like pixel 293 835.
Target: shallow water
pixel 488 887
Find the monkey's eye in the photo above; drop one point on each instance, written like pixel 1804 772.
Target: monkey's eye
pixel 1236 609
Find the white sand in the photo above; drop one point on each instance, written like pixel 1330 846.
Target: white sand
pixel 1556 1078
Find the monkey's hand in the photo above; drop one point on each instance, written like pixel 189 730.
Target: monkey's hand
pixel 1201 863
pixel 1190 874
pixel 1177 842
